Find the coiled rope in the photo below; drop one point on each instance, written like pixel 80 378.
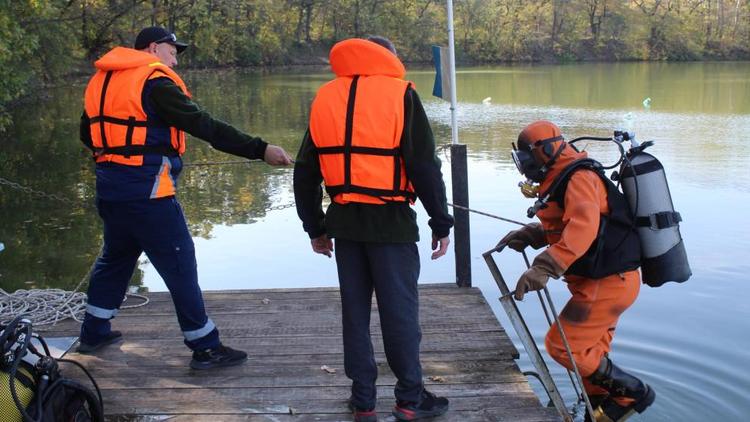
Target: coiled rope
pixel 42 306
pixel 49 306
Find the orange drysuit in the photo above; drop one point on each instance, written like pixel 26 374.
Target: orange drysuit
pixel 590 316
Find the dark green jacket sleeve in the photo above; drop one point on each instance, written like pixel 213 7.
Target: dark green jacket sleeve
pixel 423 165
pixel 308 193
pixel 178 110
pixel 85 131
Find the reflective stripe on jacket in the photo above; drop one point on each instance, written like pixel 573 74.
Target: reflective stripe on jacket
pixel 120 128
pixel 356 123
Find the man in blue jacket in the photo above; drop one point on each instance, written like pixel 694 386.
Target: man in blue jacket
pixel 136 110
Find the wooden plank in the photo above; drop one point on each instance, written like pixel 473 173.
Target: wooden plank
pixel 236 320
pixel 520 414
pixel 425 288
pixel 427 307
pixel 244 382
pixel 260 375
pixel 478 414
pixel 302 400
pixel 310 293
pixel 254 306
pixel 133 360
pixel 276 327
pixel 262 346
pixel 283 327
pixel 287 295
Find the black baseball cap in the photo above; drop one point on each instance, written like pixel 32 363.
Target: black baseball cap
pixel 157 34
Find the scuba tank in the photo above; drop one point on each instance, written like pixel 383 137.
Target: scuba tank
pixel 17 386
pixel 644 183
pixel 645 189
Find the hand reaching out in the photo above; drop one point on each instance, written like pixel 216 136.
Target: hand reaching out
pixel 276 156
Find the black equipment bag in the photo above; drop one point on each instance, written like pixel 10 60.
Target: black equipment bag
pixel 41 393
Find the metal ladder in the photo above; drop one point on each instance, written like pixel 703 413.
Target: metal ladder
pixel 516 319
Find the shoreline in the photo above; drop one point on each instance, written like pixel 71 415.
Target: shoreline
pixel 82 73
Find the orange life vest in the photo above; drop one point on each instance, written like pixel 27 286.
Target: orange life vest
pixel 356 123
pixel 113 103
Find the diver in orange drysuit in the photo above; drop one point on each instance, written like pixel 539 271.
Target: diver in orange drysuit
pixel 593 244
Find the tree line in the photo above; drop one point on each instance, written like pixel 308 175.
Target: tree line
pixel 45 42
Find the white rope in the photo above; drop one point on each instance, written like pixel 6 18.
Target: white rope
pixel 49 306
pixel 42 306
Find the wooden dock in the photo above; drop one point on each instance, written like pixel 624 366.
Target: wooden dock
pixel 289 335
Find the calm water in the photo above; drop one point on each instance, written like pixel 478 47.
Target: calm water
pixel 688 341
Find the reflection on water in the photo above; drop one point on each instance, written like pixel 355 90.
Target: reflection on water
pixel 688 341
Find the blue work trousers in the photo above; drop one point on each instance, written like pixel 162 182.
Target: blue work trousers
pixel 391 270
pixel 158 228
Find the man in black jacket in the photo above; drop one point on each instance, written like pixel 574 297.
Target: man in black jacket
pixel 370 141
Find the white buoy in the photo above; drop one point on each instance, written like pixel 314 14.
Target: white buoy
pixel 487 101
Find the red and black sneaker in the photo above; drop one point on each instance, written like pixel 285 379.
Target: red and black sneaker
pixel 429 406
pixel 362 415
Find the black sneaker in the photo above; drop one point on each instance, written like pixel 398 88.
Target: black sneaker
pixel 217 357
pixel 112 337
pixel 429 406
pixel 362 415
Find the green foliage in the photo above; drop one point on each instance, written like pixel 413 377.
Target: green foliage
pixel 17 48
pixel 42 41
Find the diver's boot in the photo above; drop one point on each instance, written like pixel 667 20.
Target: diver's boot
pixel 596 400
pixel 620 385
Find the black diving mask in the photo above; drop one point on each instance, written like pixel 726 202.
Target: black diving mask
pixel 529 166
pixel 526 164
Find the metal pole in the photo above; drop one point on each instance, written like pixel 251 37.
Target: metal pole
pixel 452 61
pixel 459 174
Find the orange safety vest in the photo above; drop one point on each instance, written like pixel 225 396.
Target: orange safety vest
pixel 356 123
pixel 113 103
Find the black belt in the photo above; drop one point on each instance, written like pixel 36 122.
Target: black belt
pixel 659 220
